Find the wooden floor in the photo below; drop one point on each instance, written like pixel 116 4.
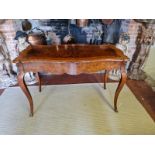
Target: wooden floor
pixel 144 94
pixel 140 89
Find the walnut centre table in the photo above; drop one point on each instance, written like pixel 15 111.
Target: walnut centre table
pixel 70 59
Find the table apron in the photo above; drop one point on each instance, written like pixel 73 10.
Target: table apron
pixel 72 68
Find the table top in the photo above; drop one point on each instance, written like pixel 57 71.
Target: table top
pixel 70 53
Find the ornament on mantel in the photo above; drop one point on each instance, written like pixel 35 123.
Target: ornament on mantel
pixel 52 38
pixel 26 25
pixel 69 39
pixel 107 21
pixel 82 22
pixel 22 43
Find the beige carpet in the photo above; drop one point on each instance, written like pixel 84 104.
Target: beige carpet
pixel 73 109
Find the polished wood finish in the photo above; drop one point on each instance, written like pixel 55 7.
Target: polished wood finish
pixel 23 86
pixel 120 86
pixel 105 78
pixel 39 80
pixel 72 60
pixel 144 93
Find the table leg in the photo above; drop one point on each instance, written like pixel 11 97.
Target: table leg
pixel 23 86
pixel 120 86
pixel 105 78
pixel 39 80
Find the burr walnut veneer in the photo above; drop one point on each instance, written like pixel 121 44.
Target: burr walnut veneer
pixel 70 59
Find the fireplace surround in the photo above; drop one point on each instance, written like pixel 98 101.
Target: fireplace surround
pixel 96 32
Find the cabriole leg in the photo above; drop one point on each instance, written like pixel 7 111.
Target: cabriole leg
pixel 23 86
pixel 105 78
pixel 120 86
pixel 39 80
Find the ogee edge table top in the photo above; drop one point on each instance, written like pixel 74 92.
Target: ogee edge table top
pixel 70 53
